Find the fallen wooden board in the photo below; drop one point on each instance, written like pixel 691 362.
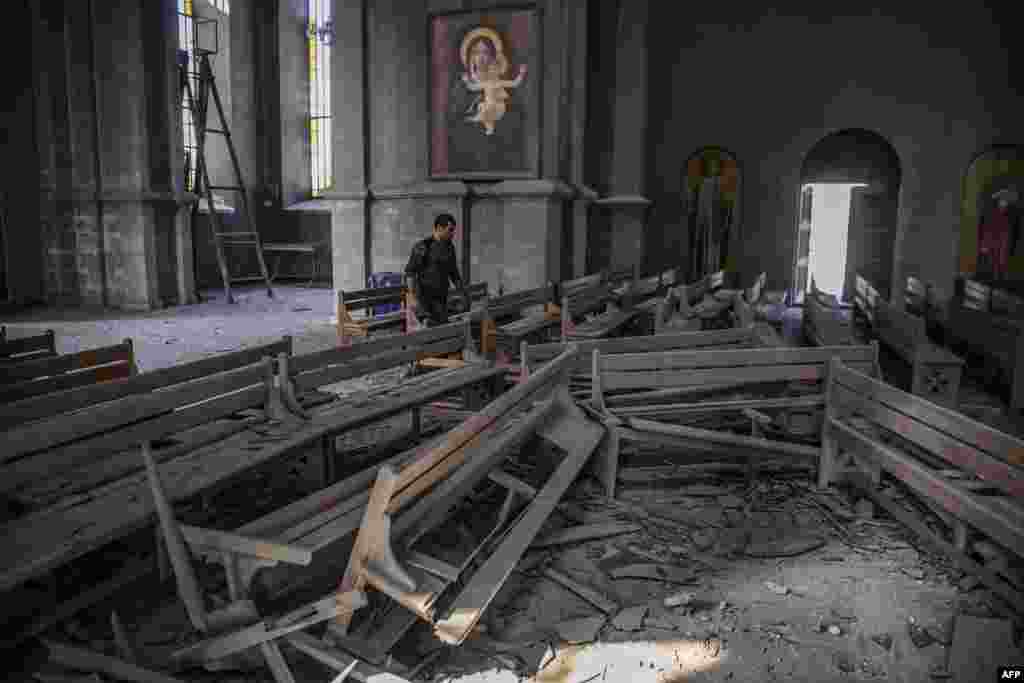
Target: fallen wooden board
pixel 339 661
pixel 655 572
pixel 468 607
pixel 599 601
pixel 784 547
pixel 85 660
pixel 586 532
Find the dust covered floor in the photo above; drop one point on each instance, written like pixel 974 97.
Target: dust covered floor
pixel 792 587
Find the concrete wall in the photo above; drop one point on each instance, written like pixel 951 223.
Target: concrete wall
pixel 936 84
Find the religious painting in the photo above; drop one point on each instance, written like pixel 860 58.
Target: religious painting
pixel 711 192
pixel 485 94
pixel 990 215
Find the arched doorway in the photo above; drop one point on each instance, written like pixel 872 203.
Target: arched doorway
pixel 848 211
pixel 711 199
pixel 990 205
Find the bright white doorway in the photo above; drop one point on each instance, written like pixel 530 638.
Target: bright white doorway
pixel 825 227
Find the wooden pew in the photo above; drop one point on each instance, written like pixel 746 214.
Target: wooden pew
pixel 48 375
pixel 972 475
pixel 430 482
pixel 935 372
pixel 352 324
pixel 694 306
pixel 745 316
pixel 477 293
pixel 117 508
pixel 987 322
pixel 26 348
pixel 580 299
pixel 827 322
pixel 510 319
pixel 532 356
pixel 702 371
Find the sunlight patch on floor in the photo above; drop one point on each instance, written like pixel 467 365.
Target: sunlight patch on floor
pixel 666 661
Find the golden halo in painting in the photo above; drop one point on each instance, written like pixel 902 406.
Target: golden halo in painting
pixel 491 35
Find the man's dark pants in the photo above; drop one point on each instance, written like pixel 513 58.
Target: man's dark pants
pixel 433 308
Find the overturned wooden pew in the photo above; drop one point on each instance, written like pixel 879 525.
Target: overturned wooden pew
pixel 50 374
pixel 420 496
pixel 935 371
pixel 972 475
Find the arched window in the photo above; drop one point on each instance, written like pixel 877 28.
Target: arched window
pixel 320 36
pixel 711 196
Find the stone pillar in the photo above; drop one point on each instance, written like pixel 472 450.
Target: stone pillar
pixel 527 249
pixel 400 216
pixel 581 229
pixel 627 204
pixel 628 228
pixel 349 233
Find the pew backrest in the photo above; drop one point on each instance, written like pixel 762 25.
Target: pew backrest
pixel 27 348
pixel 673 369
pixel 366 300
pixel 53 374
pixel 53 405
pixel 313 370
pixel 515 302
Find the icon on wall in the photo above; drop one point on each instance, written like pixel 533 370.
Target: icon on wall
pixel 484 104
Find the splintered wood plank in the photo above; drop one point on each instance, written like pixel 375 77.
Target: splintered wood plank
pixel 339 661
pixel 587 532
pixel 585 592
pixel 470 604
pixel 647 344
pixel 655 572
pixel 85 660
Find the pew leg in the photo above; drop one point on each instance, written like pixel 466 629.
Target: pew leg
pixel 827 461
pixel 961 536
pixel 416 428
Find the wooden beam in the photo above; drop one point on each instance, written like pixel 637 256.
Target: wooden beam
pixel 724 438
pixel 470 604
pixel 85 660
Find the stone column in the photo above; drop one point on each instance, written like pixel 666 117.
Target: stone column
pixel 349 233
pixel 626 203
pixel 528 247
pixel 581 229
pixel 400 216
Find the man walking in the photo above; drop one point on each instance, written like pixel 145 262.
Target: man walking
pixel 431 265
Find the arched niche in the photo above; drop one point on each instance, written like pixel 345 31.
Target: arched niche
pixel 997 168
pixel 858 172
pixel 711 198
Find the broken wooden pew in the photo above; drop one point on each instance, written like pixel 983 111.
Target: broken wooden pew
pixel 374 563
pixel 935 372
pixel 729 368
pixel 31 347
pixel 873 428
pixel 116 508
pixel 297 532
pixel 48 375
